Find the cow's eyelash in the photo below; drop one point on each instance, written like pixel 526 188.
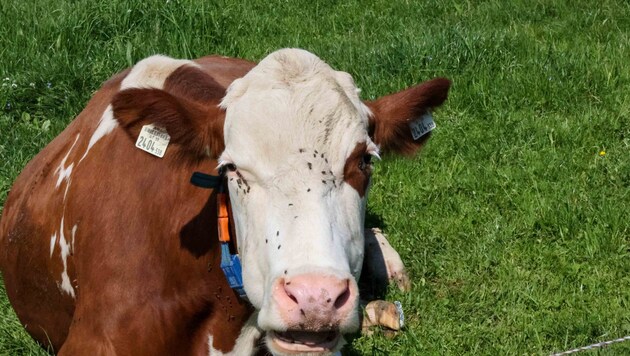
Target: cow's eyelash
pixel 374 154
pixel 373 150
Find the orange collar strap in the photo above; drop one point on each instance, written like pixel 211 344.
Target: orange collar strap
pixel 230 262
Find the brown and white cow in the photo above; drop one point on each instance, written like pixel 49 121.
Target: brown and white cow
pixel 106 249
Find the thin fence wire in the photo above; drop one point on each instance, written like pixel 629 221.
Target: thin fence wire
pixel 593 346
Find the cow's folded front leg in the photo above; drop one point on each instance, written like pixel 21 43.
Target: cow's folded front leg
pixel 382 265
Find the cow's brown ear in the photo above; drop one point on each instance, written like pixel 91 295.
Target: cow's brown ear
pixel 392 115
pixel 196 129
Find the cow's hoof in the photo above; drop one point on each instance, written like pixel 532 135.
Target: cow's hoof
pixel 401 278
pixel 382 313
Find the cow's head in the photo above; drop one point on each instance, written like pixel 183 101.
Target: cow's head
pixel 298 152
pixel 298 146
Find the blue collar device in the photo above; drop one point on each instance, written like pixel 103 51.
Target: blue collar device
pixel 230 262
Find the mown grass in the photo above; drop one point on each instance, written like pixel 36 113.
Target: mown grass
pixel 513 222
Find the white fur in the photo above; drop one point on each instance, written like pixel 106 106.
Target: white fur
pixel 64 174
pixel 152 72
pixel 53 241
pixel 293 101
pixel 64 171
pixel 74 231
pixel 66 286
pixel 106 125
pixel 211 350
pixel 65 248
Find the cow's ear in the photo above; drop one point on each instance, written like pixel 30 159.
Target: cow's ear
pixel 392 115
pixel 197 130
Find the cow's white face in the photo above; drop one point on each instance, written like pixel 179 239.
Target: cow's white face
pixel 297 153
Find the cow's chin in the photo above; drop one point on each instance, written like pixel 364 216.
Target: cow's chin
pixel 309 343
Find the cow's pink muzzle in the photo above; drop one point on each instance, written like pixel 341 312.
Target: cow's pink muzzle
pixel 314 302
pixel 316 309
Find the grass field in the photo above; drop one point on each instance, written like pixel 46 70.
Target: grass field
pixel 514 222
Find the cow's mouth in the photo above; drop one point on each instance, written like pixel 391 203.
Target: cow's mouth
pixel 304 341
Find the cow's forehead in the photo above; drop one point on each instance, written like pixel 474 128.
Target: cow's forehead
pixel 293 102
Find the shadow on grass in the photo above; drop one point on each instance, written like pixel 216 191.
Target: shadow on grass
pixel 374 220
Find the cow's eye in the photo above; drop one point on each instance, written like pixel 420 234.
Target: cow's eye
pixel 367 158
pixel 366 162
pixel 229 167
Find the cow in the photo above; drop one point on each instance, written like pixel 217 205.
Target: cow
pixel 107 248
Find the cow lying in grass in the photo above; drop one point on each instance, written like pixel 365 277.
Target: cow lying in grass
pixel 108 249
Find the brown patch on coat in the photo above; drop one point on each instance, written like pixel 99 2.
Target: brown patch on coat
pixel 353 174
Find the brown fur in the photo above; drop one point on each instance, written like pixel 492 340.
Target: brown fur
pixel 187 108
pixel 353 174
pixel 389 125
pixel 145 265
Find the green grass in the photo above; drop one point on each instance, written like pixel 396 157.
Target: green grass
pixel 515 230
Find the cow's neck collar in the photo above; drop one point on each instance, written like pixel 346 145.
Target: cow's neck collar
pixel 230 262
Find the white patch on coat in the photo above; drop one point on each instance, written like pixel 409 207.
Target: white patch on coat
pixel 74 231
pixel 65 247
pixel 63 170
pixel 105 125
pixel 66 286
pixel 152 72
pixel 211 350
pixel 53 240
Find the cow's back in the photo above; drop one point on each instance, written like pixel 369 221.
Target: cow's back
pixel 101 238
pixel 30 262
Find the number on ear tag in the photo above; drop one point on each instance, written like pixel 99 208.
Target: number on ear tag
pixel 422 126
pixel 153 139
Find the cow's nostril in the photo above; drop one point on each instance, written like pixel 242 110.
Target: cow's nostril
pixel 343 297
pixel 315 296
pixel 289 294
